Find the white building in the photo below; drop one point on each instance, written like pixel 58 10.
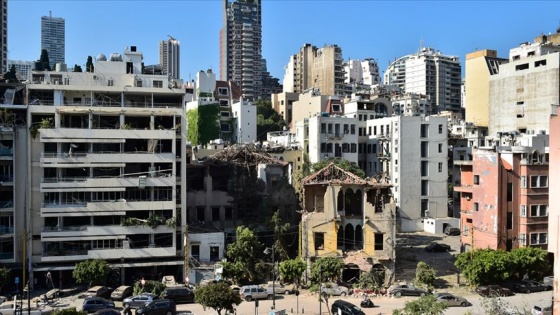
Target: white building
pixel 411 104
pixel 107 155
pixel 410 152
pixel 328 137
pixel 169 57
pixel 244 122
pixel 22 67
pixel 361 72
pixel 53 38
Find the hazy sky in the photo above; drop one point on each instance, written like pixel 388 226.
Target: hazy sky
pixel 383 30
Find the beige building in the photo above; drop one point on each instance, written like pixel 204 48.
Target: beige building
pixel 319 68
pixel 312 103
pixel 479 66
pixel 282 104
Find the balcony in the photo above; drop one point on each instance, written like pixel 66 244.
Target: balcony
pixel 101 135
pixel 6 230
pixel 462 162
pixel 115 253
pixel 119 159
pixel 333 136
pixel 463 188
pixel 115 184
pixel 100 208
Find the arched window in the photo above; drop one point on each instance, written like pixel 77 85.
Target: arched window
pixel 340 201
pixel 348 196
pixel 340 238
pixel 359 237
pixel 348 237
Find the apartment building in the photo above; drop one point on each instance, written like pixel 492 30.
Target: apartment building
pixel 4 36
pixel 170 58
pixel 361 72
pixel 410 153
pixel 349 217
pixel 283 105
pixel 316 68
pixel 53 38
pixel 429 72
pixel 23 68
pixel 504 193
pixel 106 176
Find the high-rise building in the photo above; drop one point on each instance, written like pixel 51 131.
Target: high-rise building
pixel 4 36
pixel 169 57
pixel 241 46
pixel 317 68
pixel 429 72
pixel 53 38
pixel 361 72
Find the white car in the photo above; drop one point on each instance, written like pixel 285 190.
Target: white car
pixel 334 289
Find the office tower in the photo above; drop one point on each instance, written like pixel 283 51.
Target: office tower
pixel 4 23
pixel 53 38
pixel 241 46
pixel 169 57
pixel 318 68
pixel 429 72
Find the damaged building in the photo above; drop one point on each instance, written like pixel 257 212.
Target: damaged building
pixel 349 217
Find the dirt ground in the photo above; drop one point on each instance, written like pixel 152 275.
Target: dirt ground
pixel 410 251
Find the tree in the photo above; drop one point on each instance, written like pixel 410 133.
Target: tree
pixel 77 68
pixel 268 120
pixel 242 256
pixel 425 305
pixel 484 266
pixel 280 230
pixel 326 269
pixel 530 261
pixel 425 275
pixel 218 296
pixel 44 60
pixel 291 270
pixel 89 64
pixel 4 276
pixel 150 286
pixel 10 76
pixel 91 271
pixel 67 311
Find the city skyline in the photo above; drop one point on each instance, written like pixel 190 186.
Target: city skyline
pixel 381 30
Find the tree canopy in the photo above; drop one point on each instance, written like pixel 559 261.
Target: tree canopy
pixel 425 275
pixel 89 64
pixel 44 60
pixel 268 120
pixel 150 286
pixel 10 76
pixel 91 271
pixel 243 256
pixel 342 163
pixel 326 269
pixel 218 296
pixel 77 68
pixel 4 276
pixel 291 270
pixel 425 305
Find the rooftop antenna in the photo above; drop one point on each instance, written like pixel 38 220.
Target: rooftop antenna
pixel 50 14
pixel 421 44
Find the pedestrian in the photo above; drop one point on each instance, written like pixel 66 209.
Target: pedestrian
pixel 127 310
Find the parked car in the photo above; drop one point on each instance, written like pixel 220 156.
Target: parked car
pixel 493 290
pixel 95 303
pixel 345 308
pixel 528 286
pixel 235 288
pixel 121 293
pixel 139 300
pixel 548 281
pixel 334 289
pixel 452 231
pixel 279 288
pixel 452 300
pixel 254 292
pixel 99 291
pixel 107 311
pixel 158 307
pixel 179 294
pixel 406 290
pixel 437 247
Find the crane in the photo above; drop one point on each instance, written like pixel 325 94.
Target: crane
pixel 171 37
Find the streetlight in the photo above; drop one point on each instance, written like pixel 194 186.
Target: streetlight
pixel 267 251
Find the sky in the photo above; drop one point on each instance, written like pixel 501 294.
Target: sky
pixel 382 30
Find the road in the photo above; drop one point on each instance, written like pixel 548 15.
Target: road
pixel 308 304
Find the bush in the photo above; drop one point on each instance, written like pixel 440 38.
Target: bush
pixel 154 287
pixel 67 311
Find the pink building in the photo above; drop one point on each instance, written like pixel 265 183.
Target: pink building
pixel 554 211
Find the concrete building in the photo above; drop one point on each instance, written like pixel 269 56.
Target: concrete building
pixel 522 92
pixel 554 205
pixel 410 152
pixel 244 122
pixel 53 38
pixel 349 217
pixel 170 58
pixel 504 193
pixel 429 72
pixel 283 105
pixel 411 104
pixel 23 68
pixel 311 103
pixel 241 46
pixel 105 172
pixel 316 68
pixel 479 67
pixel 4 36
pixel 362 72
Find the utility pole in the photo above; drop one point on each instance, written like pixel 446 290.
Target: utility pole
pixel 320 293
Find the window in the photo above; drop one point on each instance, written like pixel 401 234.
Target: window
pixel 228 213
pixel 336 108
pixel 323 147
pixel 475 206
pixel 223 91
pixel 323 128
pixel 424 149
pixel 522 67
pixel 225 114
pixel 476 179
pixel 425 187
pixel 539 210
pixel 200 213
pixel 158 84
pixel 509 195
pixel 523 181
pixel 353 129
pixel 440 128
pixel 215 213
pixel 424 168
pixel 440 167
pixel 424 130
pixel 538 238
pixel 195 251
pixel 138 83
pixel 523 211
pixel 509 222
pixel 440 147
pixel 539 181
pixel 540 63
pixel 214 253
pixel 319 239
pixel 378 241
pixel 522 239
pixel 353 147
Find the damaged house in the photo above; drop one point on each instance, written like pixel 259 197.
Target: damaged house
pixel 349 217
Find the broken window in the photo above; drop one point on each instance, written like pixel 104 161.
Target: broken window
pixel 319 240
pixel 379 241
pixel 522 67
pixel 215 213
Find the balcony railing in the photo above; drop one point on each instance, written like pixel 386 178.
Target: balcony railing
pixel 127 103
pixel 6 229
pixel 64 228
pixel 63 179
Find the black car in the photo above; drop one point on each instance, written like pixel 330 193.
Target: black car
pixel 452 231
pixel 406 290
pixel 528 286
pixel 437 247
pixel 94 304
pixel 493 290
pixel 179 294
pixel 158 307
pixel 345 308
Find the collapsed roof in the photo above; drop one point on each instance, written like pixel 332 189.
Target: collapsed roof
pixel 243 155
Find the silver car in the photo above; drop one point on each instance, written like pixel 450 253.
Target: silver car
pixel 139 300
pixel 333 289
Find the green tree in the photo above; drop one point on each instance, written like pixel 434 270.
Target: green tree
pixel 280 230
pixel 326 269
pixel 89 64
pixel 10 76
pixel 203 124
pixel 67 311
pixel 425 305
pixel 150 286
pixel 291 270
pixel 484 266
pixel 4 276
pixel 530 261
pixel 77 68
pixel 268 120
pixel 44 60
pixel 218 296
pixel 243 256
pixel 91 271
pixel 425 275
